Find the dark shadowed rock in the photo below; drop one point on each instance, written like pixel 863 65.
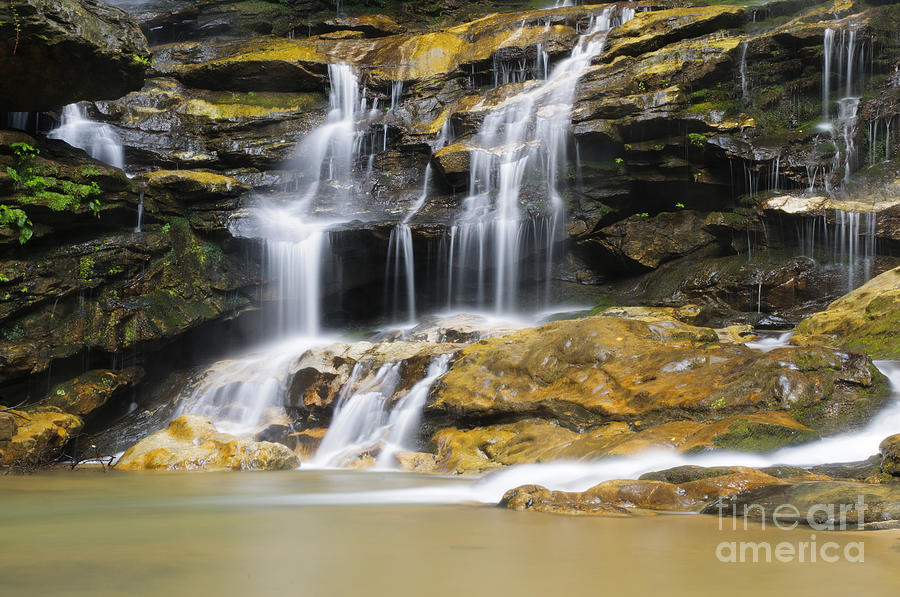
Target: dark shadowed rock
pixel 67 51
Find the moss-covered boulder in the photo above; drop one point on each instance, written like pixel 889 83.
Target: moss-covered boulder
pixel 192 443
pixel 56 52
pixel 865 320
pixel 890 455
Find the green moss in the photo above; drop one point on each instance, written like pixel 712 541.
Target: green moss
pixel 746 436
pixel 86 267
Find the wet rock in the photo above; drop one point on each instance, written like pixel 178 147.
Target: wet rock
pixel 91 390
pixel 824 504
pixel 319 375
pixel 166 124
pixel 540 499
pixel 621 496
pixel 588 371
pixel 35 435
pixel 860 471
pixel 369 25
pixel 865 320
pixel 189 185
pixel 642 242
pixel 689 473
pixel 308 441
pixel 416 462
pixel 730 289
pixel 462 328
pixel 651 30
pixel 484 448
pixel 890 455
pixel 57 52
pixel 192 443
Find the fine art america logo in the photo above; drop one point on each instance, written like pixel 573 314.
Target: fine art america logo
pixel 787 517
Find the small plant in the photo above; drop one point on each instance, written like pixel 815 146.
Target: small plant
pixel 17 26
pixel 696 139
pixel 143 60
pixel 619 160
pixel 86 268
pixel 641 87
pixel 658 147
pixel 679 205
pixel 644 214
pixel 10 216
pixel 628 147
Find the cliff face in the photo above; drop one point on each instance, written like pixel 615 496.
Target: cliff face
pixel 693 133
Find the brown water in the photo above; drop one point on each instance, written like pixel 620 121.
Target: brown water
pixel 97 534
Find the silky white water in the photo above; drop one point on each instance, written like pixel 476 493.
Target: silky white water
pixel 99 140
pixel 527 132
pixel 364 421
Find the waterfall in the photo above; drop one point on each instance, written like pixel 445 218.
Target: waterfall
pixel 405 416
pixel 99 140
pixel 745 83
pixel 844 60
pixel 529 132
pixel 18 120
pixel 848 241
pixel 242 395
pixel 140 209
pixel 400 259
pixel 364 422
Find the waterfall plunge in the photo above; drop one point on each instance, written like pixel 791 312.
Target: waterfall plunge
pixel 99 140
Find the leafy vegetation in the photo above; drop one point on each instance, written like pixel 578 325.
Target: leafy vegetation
pixel 35 183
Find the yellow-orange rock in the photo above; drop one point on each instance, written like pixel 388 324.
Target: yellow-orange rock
pixel 192 443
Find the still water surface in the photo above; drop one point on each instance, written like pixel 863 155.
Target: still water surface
pixel 258 534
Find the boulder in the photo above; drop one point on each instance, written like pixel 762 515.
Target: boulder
pixel 826 504
pixel 192 443
pixel 890 455
pixel 619 496
pixel 865 320
pixel 91 390
pixel 644 243
pixel 57 52
pixel 35 435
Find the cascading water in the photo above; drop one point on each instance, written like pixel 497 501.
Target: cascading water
pixel 844 59
pixel 400 259
pixel 530 131
pixel 240 393
pixel 364 421
pixel 99 140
